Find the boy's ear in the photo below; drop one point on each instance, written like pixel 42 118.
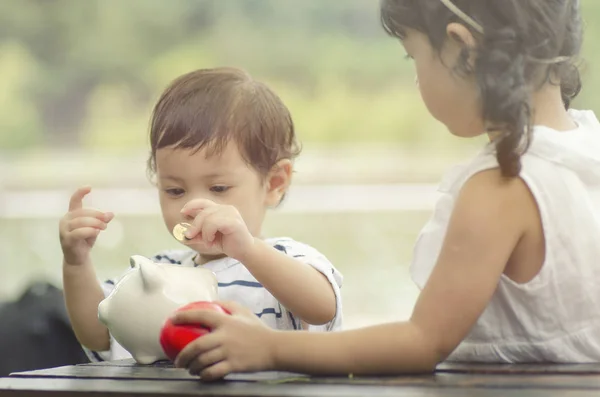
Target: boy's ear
pixel 278 181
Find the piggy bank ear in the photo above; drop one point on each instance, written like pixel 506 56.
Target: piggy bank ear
pixel 136 260
pixel 152 275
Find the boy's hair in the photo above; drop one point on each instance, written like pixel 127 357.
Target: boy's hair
pixel 524 43
pixel 207 108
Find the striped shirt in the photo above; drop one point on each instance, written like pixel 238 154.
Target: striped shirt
pixel 237 284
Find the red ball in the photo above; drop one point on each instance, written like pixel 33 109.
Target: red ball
pixel 173 338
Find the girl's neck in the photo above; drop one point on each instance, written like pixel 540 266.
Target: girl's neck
pixel 549 110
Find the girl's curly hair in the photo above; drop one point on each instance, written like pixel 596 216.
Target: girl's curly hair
pixel 525 44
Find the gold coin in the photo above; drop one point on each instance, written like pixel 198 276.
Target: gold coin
pixel 179 230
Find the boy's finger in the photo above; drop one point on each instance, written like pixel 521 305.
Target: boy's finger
pixel 209 229
pixel 197 225
pixel 90 213
pixel 76 201
pixel 81 222
pixel 85 233
pixel 194 206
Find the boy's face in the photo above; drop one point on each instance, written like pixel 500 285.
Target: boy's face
pixel 186 174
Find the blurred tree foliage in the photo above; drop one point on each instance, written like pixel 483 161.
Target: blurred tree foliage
pixel 86 72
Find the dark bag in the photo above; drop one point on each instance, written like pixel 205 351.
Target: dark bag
pixel 35 332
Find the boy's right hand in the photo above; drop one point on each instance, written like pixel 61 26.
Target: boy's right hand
pixel 80 227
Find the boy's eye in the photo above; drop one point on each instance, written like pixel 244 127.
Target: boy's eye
pixel 174 192
pixel 219 189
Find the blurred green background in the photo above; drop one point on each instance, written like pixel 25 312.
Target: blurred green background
pixel 79 79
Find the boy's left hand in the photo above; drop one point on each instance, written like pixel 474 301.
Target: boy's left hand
pixel 239 342
pixel 218 226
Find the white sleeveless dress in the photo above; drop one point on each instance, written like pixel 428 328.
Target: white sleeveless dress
pixel 556 316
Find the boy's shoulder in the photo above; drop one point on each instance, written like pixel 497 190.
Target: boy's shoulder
pixel 307 254
pixel 293 247
pixel 174 256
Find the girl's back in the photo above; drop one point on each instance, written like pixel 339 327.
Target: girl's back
pixel 553 316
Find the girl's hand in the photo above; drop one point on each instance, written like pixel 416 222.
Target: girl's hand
pixel 218 226
pixel 239 342
pixel 80 227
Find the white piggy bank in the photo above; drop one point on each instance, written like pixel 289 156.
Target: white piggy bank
pixel 145 297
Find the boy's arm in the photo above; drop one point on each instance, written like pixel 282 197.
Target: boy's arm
pixel 300 288
pixel 83 294
pixel 78 231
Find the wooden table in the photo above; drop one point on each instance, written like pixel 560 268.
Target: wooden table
pixel 124 378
